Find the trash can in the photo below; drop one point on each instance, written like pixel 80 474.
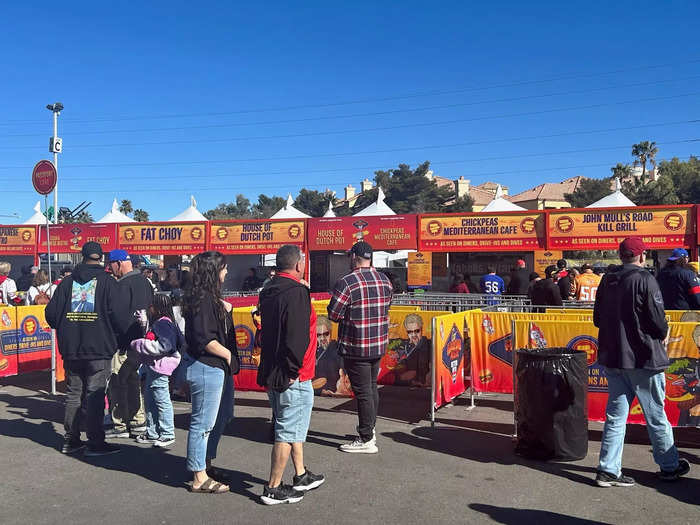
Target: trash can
pixel 551 404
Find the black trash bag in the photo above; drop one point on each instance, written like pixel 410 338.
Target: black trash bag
pixel 551 404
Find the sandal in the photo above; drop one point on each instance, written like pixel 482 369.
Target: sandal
pixel 209 487
pixel 218 474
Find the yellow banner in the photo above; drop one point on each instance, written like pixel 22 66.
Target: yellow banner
pixel 163 238
pixel 17 240
pixel 420 269
pixel 544 258
pixel 658 226
pixel 255 237
pixel 482 232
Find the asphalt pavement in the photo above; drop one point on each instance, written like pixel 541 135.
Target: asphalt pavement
pixel 462 471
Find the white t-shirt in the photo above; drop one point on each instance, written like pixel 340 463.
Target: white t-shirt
pixel 33 291
pixel 8 291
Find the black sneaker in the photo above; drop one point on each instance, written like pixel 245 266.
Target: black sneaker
pixel 281 494
pixel 308 481
pixel 103 449
pixel 681 470
pixel 72 445
pixel 603 479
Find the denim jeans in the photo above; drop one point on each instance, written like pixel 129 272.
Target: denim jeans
pixel 363 379
pixel 650 389
pixel 291 411
pixel 212 408
pixel 159 408
pixel 85 383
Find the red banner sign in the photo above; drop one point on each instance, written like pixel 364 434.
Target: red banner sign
pixel 386 232
pixel 167 238
pixel 69 238
pixel 482 232
pixel 606 228
pixel 17 240
pixel 255 236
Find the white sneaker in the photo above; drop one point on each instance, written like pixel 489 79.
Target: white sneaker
pixel 360 447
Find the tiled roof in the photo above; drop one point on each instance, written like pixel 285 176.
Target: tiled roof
pixel 551 191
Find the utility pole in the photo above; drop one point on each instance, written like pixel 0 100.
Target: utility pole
pixel 55 147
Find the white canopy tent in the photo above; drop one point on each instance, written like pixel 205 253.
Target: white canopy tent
pixel 499 203
pixel 114 215
pixel 329 211
pixel 376 208
pixel 616 199
pixel 37 217
pixel 191 213
pixel 288 211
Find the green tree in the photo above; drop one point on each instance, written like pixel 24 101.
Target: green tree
pixel 463 203
pixel 685 176
pixel 241 209
pixel 125 207
pixel 661 191
pixel 644 152
pixel 312 202
pixel 621 171
pixel 266 206
pixel 589 191
pixel 411 191
pixel 140 215
pixel 84 216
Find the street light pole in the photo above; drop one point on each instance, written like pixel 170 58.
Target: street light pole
pixel 55 146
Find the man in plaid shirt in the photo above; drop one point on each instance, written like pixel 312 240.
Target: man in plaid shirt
pixel 360 304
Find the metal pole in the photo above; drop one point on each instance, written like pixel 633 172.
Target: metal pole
pixel 53 333
pixel 55 165
pixel 514 349
pixel 433 374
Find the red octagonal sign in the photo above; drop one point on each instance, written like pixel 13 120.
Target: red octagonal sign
pixel 44 177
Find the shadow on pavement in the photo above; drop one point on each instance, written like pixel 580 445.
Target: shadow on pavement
pixel 513 516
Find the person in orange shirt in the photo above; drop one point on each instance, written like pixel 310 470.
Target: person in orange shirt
pixel 587 284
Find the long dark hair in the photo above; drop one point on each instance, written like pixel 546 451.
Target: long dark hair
pixel 162 306
pixel 204 282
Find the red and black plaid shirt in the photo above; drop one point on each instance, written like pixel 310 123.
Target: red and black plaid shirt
pixel 360 304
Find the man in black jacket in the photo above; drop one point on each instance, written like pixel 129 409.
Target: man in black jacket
pixel 519 279
pixel 544 292
pixel 287 363
pixel 87 343
pixel 679 284
pixel 135 296
pixel 632 339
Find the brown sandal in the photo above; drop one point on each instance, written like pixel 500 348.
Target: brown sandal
pixel 209 487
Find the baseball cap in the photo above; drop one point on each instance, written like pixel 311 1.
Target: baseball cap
pixel 632 246
pixel 361 249
pixel 520 262
pixel 586 266
pixel 561 263
pixel 678 253
pixel 92 250
pixel 118 255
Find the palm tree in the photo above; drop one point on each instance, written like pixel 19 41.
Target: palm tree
pixel 643 152
pixel 622 171
pixel 140 215
pixel 125 207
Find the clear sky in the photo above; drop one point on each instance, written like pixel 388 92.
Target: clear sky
pixel 167 99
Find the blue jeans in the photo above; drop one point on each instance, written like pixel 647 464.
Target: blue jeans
pixel 212 408
pixel 291 411
pixel 159 408
pixel 650 389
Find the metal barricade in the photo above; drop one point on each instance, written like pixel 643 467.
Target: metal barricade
pixel 460 302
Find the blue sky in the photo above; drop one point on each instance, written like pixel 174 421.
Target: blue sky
pixel 213 99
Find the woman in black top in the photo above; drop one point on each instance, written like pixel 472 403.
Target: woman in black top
pixel 211 343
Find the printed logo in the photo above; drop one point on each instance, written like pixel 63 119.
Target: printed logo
pixel 221 233
pixel 129 234
pixel 196 233
pixel 244 338
pixel 453 351
pixel 27 235
pixel 673 221
pixel 585 343
pixel 294 231
pixel 564 224
pixel 434 228
pixel 527 225
pixel 30 325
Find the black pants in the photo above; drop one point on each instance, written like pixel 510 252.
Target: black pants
pixel 363 378
pixel 85 381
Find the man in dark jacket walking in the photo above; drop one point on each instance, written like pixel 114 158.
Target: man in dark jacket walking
pixel 287 366
pixel 87 343
pixel 519 279
pixel 545 292
pixel 632 339
pixel 679 284
pixel 360 304
pixel 135 296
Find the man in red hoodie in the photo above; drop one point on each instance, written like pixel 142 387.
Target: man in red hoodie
pixel 287 366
